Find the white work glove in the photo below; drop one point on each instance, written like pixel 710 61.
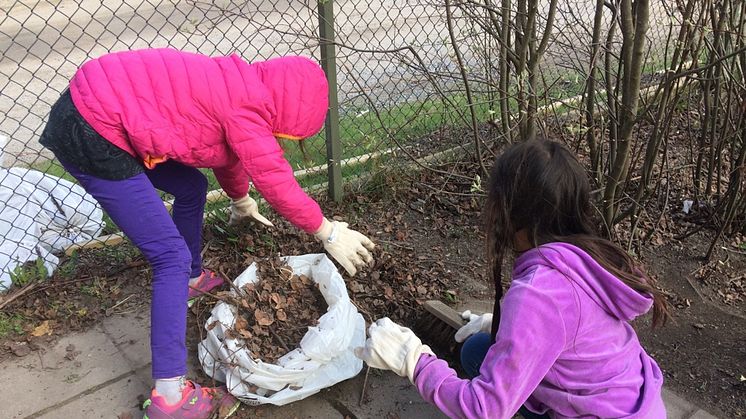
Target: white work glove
pixel 244 208
pixel 346 246
pixel 477 323
pixel 392 347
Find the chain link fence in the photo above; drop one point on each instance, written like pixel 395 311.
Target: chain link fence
pixel 398 86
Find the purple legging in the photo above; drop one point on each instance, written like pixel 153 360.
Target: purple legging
pixel 171 245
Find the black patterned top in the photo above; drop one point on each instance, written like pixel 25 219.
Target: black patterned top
pixel 75 142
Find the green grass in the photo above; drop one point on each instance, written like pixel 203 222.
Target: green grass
pixel 97 288
pixel 69 267
pixel 28 272
pixel 52 167
pixel 11 324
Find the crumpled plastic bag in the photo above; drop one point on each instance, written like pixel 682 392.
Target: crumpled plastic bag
pixel 324 358
pixel 41 214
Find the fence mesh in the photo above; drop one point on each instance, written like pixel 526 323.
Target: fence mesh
pixel 400 92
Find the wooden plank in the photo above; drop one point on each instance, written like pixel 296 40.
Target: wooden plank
pixel 446 314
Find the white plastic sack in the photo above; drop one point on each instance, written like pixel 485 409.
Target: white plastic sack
pixel 325 356
pixel 41 214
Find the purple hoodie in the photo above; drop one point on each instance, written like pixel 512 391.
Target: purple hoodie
pixel 564 347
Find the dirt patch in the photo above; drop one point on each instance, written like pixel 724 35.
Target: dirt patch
pixel 85 288
pixel 701 352
pixel 723 283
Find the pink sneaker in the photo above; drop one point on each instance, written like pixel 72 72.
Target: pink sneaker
pixel 196 403
pixel 205 283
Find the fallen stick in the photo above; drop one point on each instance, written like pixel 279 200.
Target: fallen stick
pixel 279 339
pixel 110 310
pixel 20 292
pixel 365 384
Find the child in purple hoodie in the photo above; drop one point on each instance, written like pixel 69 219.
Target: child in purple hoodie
pixel 560 344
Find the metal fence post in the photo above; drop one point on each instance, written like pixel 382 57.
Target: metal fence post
pixel 329 64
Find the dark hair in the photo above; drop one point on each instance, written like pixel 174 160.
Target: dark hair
pixel 540 187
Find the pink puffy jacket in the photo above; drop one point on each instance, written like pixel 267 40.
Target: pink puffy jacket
pixel 220 113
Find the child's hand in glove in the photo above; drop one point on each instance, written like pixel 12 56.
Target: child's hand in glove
pixel 392 347
pixel 481 323
pixel 244 208
pixel 346 246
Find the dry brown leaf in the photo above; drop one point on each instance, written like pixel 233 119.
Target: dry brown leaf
pixel 263 318
pixel 281 316
pixel 42 329
pixel 278 300
pixel 241 324
pixel 356 287
pixel 245 303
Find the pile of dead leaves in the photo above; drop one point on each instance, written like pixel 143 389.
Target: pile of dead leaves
pixel 275 313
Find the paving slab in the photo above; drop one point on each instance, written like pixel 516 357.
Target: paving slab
pixel 76 364
pixel 679 408
pixel 131 335
pixel 701 414
pixel 111 401
pixel 124 396
pixel 386 396
pixel 676 407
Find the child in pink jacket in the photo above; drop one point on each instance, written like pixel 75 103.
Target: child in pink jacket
pixel 560 344
pixel 136 121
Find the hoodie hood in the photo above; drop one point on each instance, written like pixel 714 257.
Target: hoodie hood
pixel 608 291
pixel 300 93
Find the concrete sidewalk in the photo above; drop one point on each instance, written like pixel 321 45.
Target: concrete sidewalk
pixel 105 373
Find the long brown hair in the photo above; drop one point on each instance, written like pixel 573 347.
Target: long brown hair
pixel 540 187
